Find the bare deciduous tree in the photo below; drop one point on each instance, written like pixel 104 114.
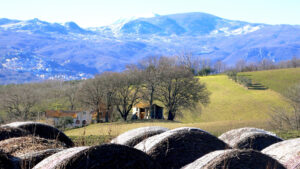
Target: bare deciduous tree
pixel 240 65
pixel 179 89
pixel 295 62
pixel 219 66
pixel 190 62
pixel 19 101
pixel 150 81
pixel 127 86
pixel 71 92
pixel 91 95
pixel 266 64
pixel 286 118
pixel 107 79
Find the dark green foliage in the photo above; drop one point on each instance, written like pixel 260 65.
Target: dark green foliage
pixel 206 71
pixel 63 122
pixel 245 81
pixel 232 75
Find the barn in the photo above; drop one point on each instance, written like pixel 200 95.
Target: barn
pixel 142 111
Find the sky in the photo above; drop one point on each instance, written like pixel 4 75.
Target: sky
pixel 94 13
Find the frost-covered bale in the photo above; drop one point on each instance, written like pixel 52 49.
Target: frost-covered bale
pixel 22 145
pixel 235 159
pixel 42 130
pixel 8 162
pixel 133 137
pixel 29 160
pixel 249 138
pixel 105 156
pixel 10 132
pixel 287 152
pixel 178 147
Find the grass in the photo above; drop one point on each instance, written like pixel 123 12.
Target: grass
pixel 114 129
pixel 231 101
pixel 277 80
pixel 288 134
pixel 96 134
pixel 232 106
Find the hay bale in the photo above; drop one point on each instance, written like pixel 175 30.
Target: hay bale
pixel 29 160
pixel 8 162
pixel 287 152
pixel 104 156
pixel 178 147
pixel 42 130
pixel 133 137
pixel 249 138
pixel 22 145
pixel 235 159
pixel 10 132
pixel 59 159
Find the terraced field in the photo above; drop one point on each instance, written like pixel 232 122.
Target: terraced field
pixel 278 80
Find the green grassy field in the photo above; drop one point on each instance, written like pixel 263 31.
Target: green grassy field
pixel 233 102
pixel 96 134
pixel 114 129
pixel 232 106
pixel 278 80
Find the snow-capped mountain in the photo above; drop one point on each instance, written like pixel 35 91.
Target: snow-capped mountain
pixel 37 49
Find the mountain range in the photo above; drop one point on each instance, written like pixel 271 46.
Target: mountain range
pixel 34 50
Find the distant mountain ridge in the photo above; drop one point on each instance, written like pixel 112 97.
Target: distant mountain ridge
pixel 43 50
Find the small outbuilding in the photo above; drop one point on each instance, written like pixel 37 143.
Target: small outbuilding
pixel 142 111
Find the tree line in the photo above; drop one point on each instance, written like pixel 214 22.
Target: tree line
pixel 204 67
pixel 167 80
pixel 266 64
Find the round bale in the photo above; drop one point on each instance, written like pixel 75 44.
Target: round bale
pixel 29 160
pixel 287 152
pixel 178 147
pixel 235 159
pixel 105 156
pixel 9 162
pixel 249 138
pixel 23 145
pixel 10 132
pixel 133 137
pixel 43 130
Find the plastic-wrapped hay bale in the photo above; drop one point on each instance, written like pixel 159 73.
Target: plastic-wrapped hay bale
pixel 59 159
pixel 106 156
pixel 30 150
pixel 10 132
pixel 8 162
pixel 42 130
pixel 22 145
pixel 133 137
pixel 29 160
pixel 287 152
pixel 249 138
pixel 235 159
pixel 178 147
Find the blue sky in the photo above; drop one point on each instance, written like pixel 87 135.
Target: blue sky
pixel 92 13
